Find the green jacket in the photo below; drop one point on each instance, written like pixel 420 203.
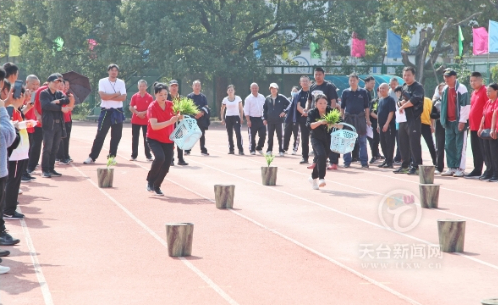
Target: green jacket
pixel 462 102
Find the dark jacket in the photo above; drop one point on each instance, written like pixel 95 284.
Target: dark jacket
pixel 200 101
pixel 52 113
pixel 320 133
pixel 271 112
pixel 415 94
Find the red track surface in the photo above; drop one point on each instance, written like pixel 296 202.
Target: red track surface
pixel 279 245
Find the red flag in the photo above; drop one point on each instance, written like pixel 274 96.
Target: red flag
pixel 480 44
pixel 91 44
pixel 357 46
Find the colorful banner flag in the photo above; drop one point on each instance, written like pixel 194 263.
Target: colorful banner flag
pixel 393 45
pixel 357 46
pixel 493 37
pixel 257 50
pixel 14 46
pixel 460 41
pixel 480 41
pixel 315 50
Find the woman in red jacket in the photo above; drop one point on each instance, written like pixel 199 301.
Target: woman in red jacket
pixel 490 143
pixel 160 126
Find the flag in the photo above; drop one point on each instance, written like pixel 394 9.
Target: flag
pixel 14 46
pixel 480 38
pixel 493 37
pixel 460 41
pixel 357 46
pixel 315 50
pixel 393 45
pixel 257 51
pixel 91 44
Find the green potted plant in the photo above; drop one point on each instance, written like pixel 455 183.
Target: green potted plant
pixel 269 173
pixel 105 176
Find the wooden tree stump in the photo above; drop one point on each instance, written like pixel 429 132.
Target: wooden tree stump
pixel 429 195
pixel 223 195
pixel 490 301
pixel 105 177
pixel 179 238
pixel 269 175
pixel 451 234
pixel 426 174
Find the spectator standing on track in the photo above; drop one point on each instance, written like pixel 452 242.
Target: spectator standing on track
pixel 375 140
pixel 275 107
pixel 489 121
pixel 439 130
pixel 36 144
pixel 63 154
pixel 32 85
pixel 233 119
pixel 301 113
pixel 428 128
pixel 386 126
pixel 173 96
pixel 253 110
pixel 291 124
pixel 139 104
pixel 203 116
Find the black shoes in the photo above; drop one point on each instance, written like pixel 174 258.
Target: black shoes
pixel 493 179
pixel 231 152
pixel 53 173
pixel 182 162
pixel 158 192
pixel 485 176
pixel 172 163
pixel 46 175
pixel 472 175
pixel 382 164
pixel 16 215
pixel 412 171
pixel 4 253
pixel 241 152
pixel 150 187
pixel 7 240
pixel 304 161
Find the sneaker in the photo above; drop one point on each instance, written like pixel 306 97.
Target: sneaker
pixel 253 153
pixel 150 159
pixel 150 187
pixel 88 161
pixel 365 166
pixel 472 175
pixel 382 164
pixel 241 152
pixel 7 240
pixel 259 151
pixel 46 175
pixel 205 154
pixel 269 153
pixel 231 152
pixel 346 166
pixel 321 183
pixel 20 192
pixel 187 153
pixel 30 171
pixel 412 171
pixel 182 162
pixel 57 161
pixel 133 159
pixel 354 160
pixel 158 192
pixel 387 165
pixel 493 179
pixel 281 154
pixel 332 167
pixel 459 173
pixel 312 166
pixel 25 178
pixel 172 163
pixel 314 183
pixel 449 172
pixel 373 160
pixel 485 176
pixel 436 172
pixel 16 215
pixel 70 160
pixel 401 170
pixel 4 269
pixel 294 152
pixel 304 161
pixel 397 163
pixel 64 162
pixel 4 253
pixel 53 173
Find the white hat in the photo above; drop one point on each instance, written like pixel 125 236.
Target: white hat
pixel 274 85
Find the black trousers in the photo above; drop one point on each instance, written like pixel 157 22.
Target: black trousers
pixel 63 153
pixel 51 142
pixel 163 154
pixel 232 123
pixel 272 128
pixel 3 182
pixel 375 141
pixel 16 169
pixel 427 134
pixel 477 145
pixel 491 151
pixel 202 141
pixel 257 127
pixel 387 141
pixel 289 130
pixel 116 133
pixel 35 146
pixel 305 140
pixel 135 138
pixel 409 142
pixel 397 157
pixel 322 151
pixel 440 140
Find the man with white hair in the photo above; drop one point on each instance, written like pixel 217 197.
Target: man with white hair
pixel 274 110
pixel 386 125
pixel 35 133
pixel 253 110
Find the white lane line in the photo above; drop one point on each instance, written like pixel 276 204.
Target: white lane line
pixel 337 263
pixel 47 296
pixel 204 277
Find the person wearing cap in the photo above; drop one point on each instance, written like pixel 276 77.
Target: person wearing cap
pixel 139 104
pixel 112 91
pixel 174 96
pixel 274 110
pixel 455 110
pixel 52 103
pixel 253 110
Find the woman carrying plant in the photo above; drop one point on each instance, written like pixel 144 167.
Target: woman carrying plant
pixel 320 121
pixel 233 119
pixel 487 131
pixel 160 126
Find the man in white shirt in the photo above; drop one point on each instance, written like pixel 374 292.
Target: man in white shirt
pixel 112 92
pixel 253 110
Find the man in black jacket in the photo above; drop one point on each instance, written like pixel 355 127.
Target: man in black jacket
pixel 274 110
pixel 52 101
pixel 202 117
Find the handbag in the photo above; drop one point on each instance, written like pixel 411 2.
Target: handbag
pixel 486 134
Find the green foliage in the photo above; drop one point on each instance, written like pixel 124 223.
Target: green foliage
pixel 185 106
pixel 494 73
pixel 111 161
pixel 331 117
pixel 269 159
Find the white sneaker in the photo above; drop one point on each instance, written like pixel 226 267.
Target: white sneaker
pixel 269 153
pixel 314 183
pixel 88 161
pixel 260 152
pixel 4 269
pixel 449 172
pixel 253 153
pixel 281 154
pixel 321 183
pixel 20 192
pixel 294 152
pixel 459 173
pixel 131 159
pixel 436 172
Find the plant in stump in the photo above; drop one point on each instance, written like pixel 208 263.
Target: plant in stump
pixel 106 175
pixel 269 159
pixel 111 161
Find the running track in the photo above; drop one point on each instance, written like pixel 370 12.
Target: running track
pixel 279 245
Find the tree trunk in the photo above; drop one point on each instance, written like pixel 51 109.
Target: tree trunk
pixel 429 195
pixel 179 238
pixel 223 195
pixel 426 174
pixel 105 177
pixel 451 234
pixel 269 175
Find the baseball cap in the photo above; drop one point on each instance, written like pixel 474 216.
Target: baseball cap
pixel 53 77
pixel 274 85
pixel 449 72
pixel 173 82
